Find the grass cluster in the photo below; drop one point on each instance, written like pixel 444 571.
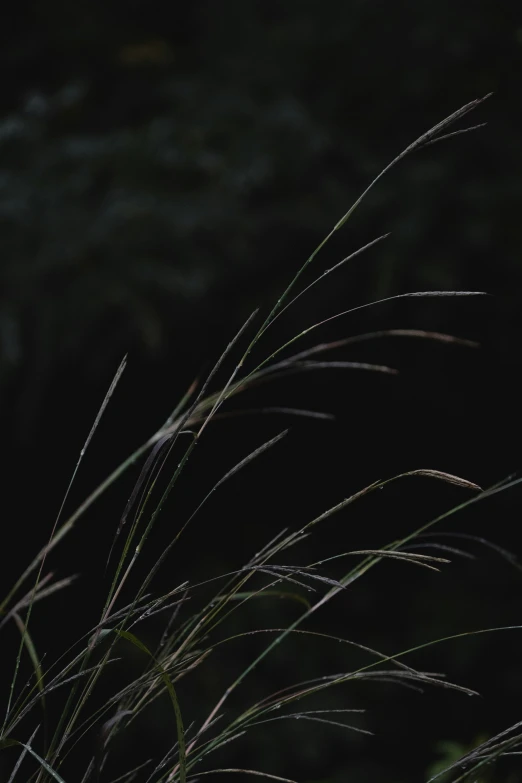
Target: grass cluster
pixel 45 743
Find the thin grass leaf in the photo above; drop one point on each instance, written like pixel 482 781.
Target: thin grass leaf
pixel 437 129
pixel 293 625
pixel 421 141
pixel 400 683
pixel 94 495
pixel 443 548
pixel 43 763
pixel 447 477
pixel 201 412
pixel 328 637
pixel 326 273
pixel 112 387
pixel 43 592
pixel 226 741
pixel 58 682
pixel 329 712
pixel 114 592
pixel 22 756
pixel 285 366
pixel 488 493
pixel 263 552
pixel 170 623
pixel 173 697
pixel 270 594
pixel 247 772
pixel 364 567
pixel 299 692
pixel 304 689
pixel 456 133
pixel 307 572
pixel 101 411
pixel 418 294
pixel 349 577
pixel 281 634
pixel 275 409
pixel 69 524
pixel 53 588
pixel 117 472
pixel 504 553
pixel 304 716
pixel 284 369
pixel 218 364
pixel 52 535
pixel 247 460
pixel 327 597
pixel 284 578
pixel 420 677
pixel 144 606
pixel 131 774
pixel 153 458
pixel 401 555
pixel 150 479
pixel 31 649
pixel 228 475
pixel 20 710
pixel 180 406
pixel 392 675
pixel 200 403
pixel 304 365
pixel 161 607
pixel 224 596
pixel 468 757
pixel 415 333
pixel 422 334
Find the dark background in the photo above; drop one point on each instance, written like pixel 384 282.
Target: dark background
pixel 165 169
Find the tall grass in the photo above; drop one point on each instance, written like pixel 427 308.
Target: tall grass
pixel 44 743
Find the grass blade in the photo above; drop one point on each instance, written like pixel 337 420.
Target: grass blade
pixel 31 649
pixel 173 697
pixel 423 140
pixel 21 757
pixel 43 763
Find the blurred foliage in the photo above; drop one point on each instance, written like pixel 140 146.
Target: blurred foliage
pixel 165 168
pixel 450 752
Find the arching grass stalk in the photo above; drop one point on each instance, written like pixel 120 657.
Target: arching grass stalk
pixel 178 653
